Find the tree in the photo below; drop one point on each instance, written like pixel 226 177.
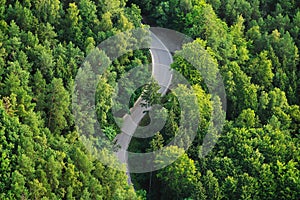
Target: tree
pixel 288 180
pixel 294 113
pixel 74 24
pixel 54 172
pixel 124 24
pixel 266 183
pixel 180 177
pixel 247 187
pixel 47 11
pixel 39 91
pixel 260 70
pixel 241 93
pixel 157 142
pixel 171 127
pixel 106 23
pixel 202 22
pixel 229 188
pixel 187 70
pixel 37 190
pixel 247 119
pixel 237 32
pixel 59 101
pixel 104 93
pixel 296 27
pixel 23 15
pixel 150 95
pixel 205 106
pixel 18 185
pixel 2 8
pixel 134 14
pixel 211 185
pixel 89 19
pixel 16 84
pixel 89 45
pixel 42 59
pixel 284 49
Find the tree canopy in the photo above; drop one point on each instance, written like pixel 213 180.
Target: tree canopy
pixel 253 44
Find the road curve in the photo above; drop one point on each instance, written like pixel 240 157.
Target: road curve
pixel 162 73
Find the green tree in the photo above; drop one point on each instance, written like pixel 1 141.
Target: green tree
pixel 106 23
pixel 266 183
pixel 247 119
pixel 47 11
pixel 74 25
pixel 18 185
pixel 89 19
pixel 58 106
pixel 241 93
pixel 239 41
pixel 104 93
pixel 180 177
pixel 42 59
pixel 157 142
pixel 260 70
pixel 150 95
pixel 37 190
pixel 288 180
pixel 229 188
pixel 23 15
pixel 39 91
pixel 212 189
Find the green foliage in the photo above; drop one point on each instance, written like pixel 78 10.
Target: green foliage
pixel 247 119
pixel 150 95
pixel 180 178
pixel 211 186
pixel 255 46
pixel 42 46
pixel 59 102
pixel 104 93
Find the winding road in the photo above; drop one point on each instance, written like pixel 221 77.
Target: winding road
pixel 162 73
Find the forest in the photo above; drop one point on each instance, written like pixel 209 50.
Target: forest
pixel 255 46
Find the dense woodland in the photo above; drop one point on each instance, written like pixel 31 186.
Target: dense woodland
pixel 255 45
